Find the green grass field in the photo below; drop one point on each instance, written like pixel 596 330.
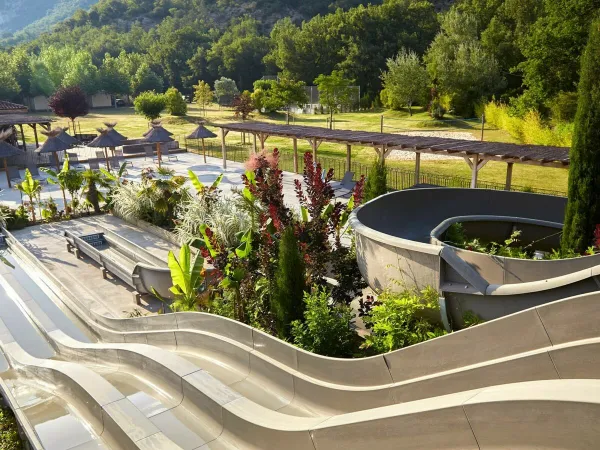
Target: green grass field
pixel 133 125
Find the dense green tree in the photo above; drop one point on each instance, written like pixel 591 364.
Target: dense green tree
pixel 40 83
pixel 9 87
pixel 81 71
pixel 459 65
pixel 112 78
pixel 583 208
pixel 239 52
pixel 335 91
pixel 145 79
pixel 176 105
pixel 283 93
pixel 225 91
pixel 150 104
pixel 406 81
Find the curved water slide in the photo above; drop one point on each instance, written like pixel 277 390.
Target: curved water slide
pixel 458 420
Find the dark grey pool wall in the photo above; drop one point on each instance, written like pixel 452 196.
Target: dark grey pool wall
pixel 399 246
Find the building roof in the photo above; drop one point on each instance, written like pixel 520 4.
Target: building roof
pixel 17 119
pixel 495 151
pixel 9 107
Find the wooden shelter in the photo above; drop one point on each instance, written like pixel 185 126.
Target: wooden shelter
pixel 13 115
pixel 475 153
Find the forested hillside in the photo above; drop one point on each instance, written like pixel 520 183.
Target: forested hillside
pixel 522 53
pixel 25 19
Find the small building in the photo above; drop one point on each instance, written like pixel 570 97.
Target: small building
pixel 38 103
pixel 100 100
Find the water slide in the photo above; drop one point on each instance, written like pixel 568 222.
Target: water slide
pixel 207 382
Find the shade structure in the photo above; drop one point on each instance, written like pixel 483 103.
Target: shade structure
pixel 202 133
pixel 110 126
pixel 104 141
pixel 67 138
pixel 6 151
pixel 53 145
pixel 158 135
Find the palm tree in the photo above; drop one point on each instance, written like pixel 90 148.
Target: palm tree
pixel 31 188
pixel 59 178
pixel 165 192
pixel 92 179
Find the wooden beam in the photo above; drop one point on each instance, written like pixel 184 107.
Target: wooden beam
pixel 417 167
pixel 295 142
pixel 23 137
pixel 224 147
pixel 474 171
pixel 509 171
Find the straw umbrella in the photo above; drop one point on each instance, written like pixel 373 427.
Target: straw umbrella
pixel 65 137
pixel 53 144
pixel 158 135
pixel 6 151
pixel 103 141
pixel 155 123
pixel 110 126
pixel 202 133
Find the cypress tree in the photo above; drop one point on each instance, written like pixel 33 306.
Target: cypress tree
pixel 583 208
pixel 376 183
pixel 287 300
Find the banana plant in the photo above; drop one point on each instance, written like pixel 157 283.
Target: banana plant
pixel 187 275
pixel 59 178
pixel 201 188
pixel 31 188
pixel 112 178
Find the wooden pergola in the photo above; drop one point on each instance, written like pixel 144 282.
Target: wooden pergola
pixel 475 153
pixel 14 120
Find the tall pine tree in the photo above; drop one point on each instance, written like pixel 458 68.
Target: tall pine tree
pixel 583 209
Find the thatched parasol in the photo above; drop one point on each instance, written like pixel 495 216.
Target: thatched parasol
pixel 158 135
pixel 104 141
pixel 53 144
pixel 155 123
pixel 65 137
pixel 202 133
pixel 6 151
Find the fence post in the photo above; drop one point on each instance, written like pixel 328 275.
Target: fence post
pixel 482 125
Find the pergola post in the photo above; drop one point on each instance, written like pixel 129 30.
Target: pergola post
pixel 315 146
pixel 295 143
pixel 348 157
pixel 35 133
pixel 23 137
pixel 474 171
pixel 417 167
pixel 509 170
pixel 254 144
pixel 262 138
pixel 224 147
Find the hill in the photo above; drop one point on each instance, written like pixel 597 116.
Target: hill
pixel 26 19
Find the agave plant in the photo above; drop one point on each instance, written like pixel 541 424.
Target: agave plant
pixel 31 188
pixel 188 277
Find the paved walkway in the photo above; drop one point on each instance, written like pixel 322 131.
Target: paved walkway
pixel 207 173
pixel 83 277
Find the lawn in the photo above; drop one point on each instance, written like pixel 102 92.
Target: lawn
pixel 133 125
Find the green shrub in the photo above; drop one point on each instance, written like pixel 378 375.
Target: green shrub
pixel 564 107
pixel 14 219
pixel 583 208
pixel 530 129
pixel 176 105
pixel 287 302
pixel 376 183
pixel 326 329
pixel 402 319
pixel 150 104
pixel 9 431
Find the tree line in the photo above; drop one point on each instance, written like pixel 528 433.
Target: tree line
pixel 525 53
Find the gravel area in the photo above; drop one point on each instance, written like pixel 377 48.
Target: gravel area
pixel 404 155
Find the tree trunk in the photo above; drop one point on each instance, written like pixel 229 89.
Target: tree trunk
pixel 410 109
